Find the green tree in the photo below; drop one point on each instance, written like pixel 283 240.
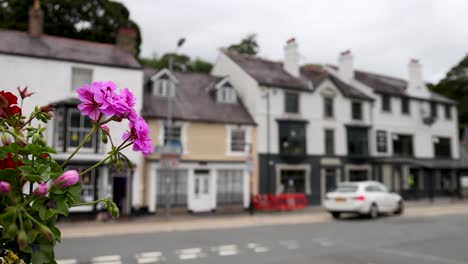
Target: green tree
pixel 455 86
pixel 181 62
pixel 248 45
pixel 94 20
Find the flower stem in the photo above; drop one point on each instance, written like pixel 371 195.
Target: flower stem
pixel 90 203
pixel 87 138
pixel 96 165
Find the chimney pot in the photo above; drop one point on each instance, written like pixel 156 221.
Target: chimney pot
pixel 36 20
pixel 291 57
pixel 126 39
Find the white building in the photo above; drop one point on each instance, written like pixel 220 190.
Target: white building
pixel 53 68
pixel 318 125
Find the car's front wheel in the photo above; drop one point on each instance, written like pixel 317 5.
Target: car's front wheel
pixel 400 208
pixel 335 215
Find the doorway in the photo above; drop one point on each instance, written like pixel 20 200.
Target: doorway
pixel 201 191
pixel 119 194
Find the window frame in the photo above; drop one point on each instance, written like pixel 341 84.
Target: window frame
pixel 226 95
pixel 353 113
pixel 328 107
pixel 287 106
pixel 164 87
pixel 386 103
pixel 448 111
pixel 300 141
pixel 230 134
pixel 81 130
pixel 329 146
pixel 80 70
pixel 411 147
pixel 440 151
pixel 381 148
pixel 433 106
pixel 405 106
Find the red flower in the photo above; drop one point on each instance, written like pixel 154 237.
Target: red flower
pixel 9 162
pixel 8 104
pixel 24 93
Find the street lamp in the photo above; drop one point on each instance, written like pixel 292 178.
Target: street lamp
pixel 170 86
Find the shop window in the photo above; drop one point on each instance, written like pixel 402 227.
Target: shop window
pixel 175 190
pixel 230 187
pixel 358 175
pixel 293 181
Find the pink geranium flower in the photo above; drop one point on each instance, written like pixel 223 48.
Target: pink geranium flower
pixel 139 133
pixel 111 102
pixel 88 107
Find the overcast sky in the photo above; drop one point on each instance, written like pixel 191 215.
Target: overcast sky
pixel 382 34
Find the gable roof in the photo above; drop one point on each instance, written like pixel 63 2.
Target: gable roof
pixel 316 74
pixel 65 49
pixel 390 85
pixel 267 72
pixel 193 102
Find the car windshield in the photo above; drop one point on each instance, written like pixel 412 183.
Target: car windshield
pixel 348 188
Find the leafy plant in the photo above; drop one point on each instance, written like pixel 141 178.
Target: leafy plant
pixel 34 188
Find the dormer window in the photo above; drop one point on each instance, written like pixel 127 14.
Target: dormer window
pixel 226 94
pixel 164 88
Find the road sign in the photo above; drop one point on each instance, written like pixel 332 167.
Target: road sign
pixel 169 160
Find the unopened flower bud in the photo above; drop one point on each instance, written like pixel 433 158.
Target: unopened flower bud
pixel 22 239
pixel 47 233
pixel 104 138
pixel 6 140
pixel 20 141
pixel 112 209
pixel 47 108
pixel 67 179
pixel 4 187
pixel 41 190
pixel 105 129
pixel 24 93
pixel 11 230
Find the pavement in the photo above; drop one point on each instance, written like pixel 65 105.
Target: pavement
pixel 185 222
pixel 427 233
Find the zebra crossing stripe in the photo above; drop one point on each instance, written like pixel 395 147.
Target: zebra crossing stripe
pixel 67 261
pixel 113 259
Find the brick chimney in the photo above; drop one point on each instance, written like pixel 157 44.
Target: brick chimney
pixel 345 66
pixel 36 20
pixel 126 39
pixel 291 57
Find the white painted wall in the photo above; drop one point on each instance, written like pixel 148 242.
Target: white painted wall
pixel 51 82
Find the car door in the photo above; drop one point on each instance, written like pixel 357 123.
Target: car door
pixel 388 199
pixel 375 195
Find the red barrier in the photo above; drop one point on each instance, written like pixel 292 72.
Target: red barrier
pixel 280 202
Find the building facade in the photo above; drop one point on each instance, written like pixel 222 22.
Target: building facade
pixel 322 124
pixel 216 137
pixel 53 68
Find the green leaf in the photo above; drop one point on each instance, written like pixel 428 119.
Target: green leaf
pixel 62 207
pixel 45 213
pixel 12 177
pixel 44 172
pixel 57 233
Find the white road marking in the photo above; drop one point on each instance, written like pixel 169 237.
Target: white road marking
pixel 415 255
pixel 190 253
pixel 257 248
pixel 113 259
pixel 323 242
pixel 227 250
pixel 149 257
pixel 67 261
